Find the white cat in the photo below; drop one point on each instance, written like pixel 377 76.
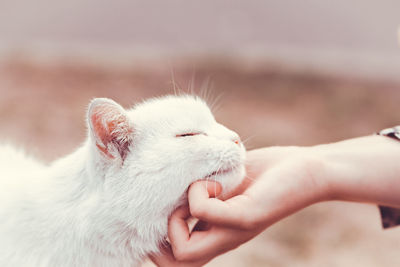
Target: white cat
pixel 107 204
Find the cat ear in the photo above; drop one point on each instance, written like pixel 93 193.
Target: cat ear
pixel 110 128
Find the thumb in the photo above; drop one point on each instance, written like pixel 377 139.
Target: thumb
pixel 211 189
pixel 232 212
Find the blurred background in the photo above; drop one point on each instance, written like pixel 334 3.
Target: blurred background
pixel 284 73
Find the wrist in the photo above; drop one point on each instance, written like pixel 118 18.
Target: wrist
pixel 361 169
pixel 339 172
pixel 328 173
pixel 316 167
pixel 308 170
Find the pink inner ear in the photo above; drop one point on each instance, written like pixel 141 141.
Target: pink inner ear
pixel 110 126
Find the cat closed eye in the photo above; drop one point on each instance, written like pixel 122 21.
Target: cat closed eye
pixel 187 134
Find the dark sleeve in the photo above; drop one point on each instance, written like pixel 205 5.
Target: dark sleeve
pixel 390 216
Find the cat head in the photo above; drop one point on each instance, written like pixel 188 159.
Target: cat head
pixel 150 154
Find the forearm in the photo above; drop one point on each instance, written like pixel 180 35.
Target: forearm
pixel 365 169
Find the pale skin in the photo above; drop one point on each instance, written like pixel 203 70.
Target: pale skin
pixel 282 181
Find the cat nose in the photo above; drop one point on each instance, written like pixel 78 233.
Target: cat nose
pixel 236 140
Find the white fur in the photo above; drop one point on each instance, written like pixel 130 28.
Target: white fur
pixel 88 209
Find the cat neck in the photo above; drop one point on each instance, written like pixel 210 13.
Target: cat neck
pixel 67 183
pixel 75 198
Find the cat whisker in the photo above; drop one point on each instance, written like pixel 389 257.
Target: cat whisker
pixel 174 84
pixel 191 86
pixel 250 178
pixel 205 86
pixel 248 138
pixel 216 104
pixel 178 90
pixel 206 92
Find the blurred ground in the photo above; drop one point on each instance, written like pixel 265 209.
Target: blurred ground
pixel 42 108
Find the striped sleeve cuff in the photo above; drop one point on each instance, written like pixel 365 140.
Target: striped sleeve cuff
pixel 390 216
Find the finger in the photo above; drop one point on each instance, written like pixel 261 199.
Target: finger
pixel 164 258
pixel 233 212
pixel 178 229
pixel 204 246
pixel 214 189
pixel 180 238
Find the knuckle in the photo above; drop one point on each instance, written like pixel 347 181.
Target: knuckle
pixel 248 224
pixel 197 211
pixel 181 255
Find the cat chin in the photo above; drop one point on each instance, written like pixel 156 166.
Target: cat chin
pixel 230 181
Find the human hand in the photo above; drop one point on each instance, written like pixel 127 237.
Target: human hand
pixel 280 181
pixel 178 224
